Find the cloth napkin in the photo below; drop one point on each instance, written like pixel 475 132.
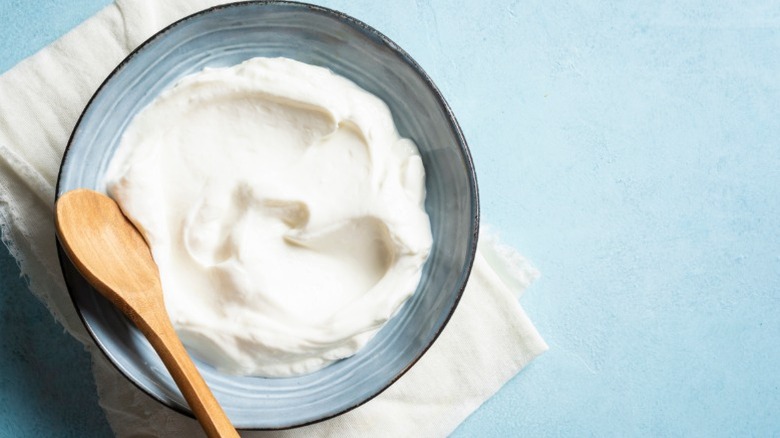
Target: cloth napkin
pixel 488 340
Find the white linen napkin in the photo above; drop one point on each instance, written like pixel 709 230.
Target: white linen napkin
pixel 488 340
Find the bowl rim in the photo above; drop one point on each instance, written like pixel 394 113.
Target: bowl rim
pixel 367 30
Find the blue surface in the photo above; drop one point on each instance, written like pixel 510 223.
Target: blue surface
pixel 633 153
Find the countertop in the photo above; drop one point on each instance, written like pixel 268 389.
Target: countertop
pixel 632 152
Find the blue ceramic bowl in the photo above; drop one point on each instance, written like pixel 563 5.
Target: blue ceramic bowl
pixel 228 35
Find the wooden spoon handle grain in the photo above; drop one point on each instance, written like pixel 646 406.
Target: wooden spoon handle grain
pixel 166 342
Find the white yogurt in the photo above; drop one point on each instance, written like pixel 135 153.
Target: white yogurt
pixel 283 209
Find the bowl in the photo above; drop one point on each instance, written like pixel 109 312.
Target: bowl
pixel 227 35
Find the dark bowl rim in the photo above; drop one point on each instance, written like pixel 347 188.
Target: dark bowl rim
pixel 366 30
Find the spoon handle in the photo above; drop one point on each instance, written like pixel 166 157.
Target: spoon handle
pixel 158 330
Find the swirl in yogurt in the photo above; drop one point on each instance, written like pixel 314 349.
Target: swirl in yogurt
pixel 283 209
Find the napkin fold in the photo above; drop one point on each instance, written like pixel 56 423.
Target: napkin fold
pixel 487 341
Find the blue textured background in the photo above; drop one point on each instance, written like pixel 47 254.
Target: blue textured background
pixel 631 151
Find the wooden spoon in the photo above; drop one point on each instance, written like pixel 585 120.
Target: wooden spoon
pixel 113 256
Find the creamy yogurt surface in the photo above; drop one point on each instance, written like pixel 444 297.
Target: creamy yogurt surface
pixel 283 209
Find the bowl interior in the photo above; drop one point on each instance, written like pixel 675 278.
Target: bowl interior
pixel 226 36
